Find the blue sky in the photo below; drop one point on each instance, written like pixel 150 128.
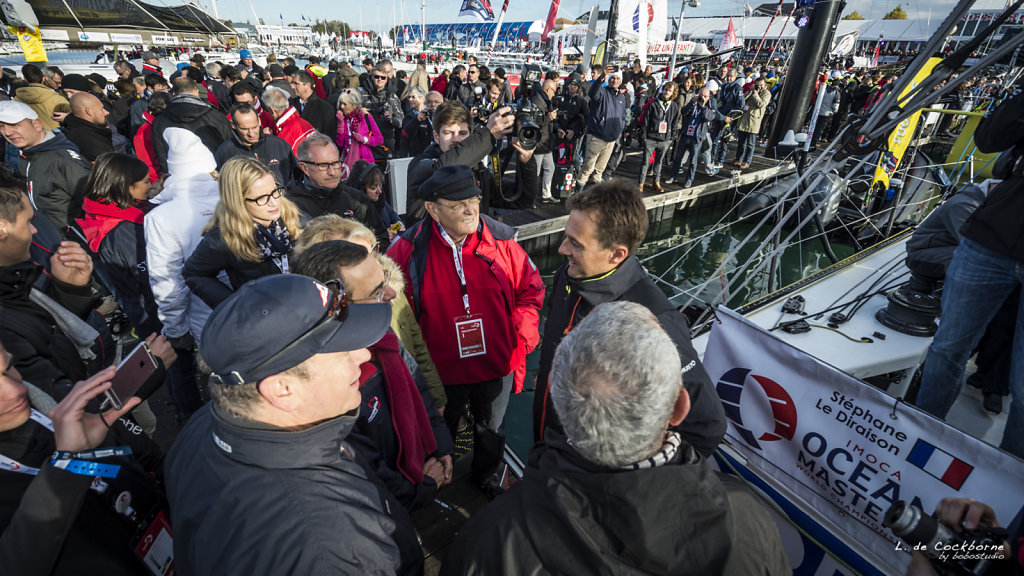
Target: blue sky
pixel 447 10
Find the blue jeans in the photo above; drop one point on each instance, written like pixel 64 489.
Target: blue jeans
pixel 745 148
pixel 977 283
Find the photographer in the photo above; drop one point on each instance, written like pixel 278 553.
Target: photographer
pixel 454 143
pixel 383 104
pixel 962 514
pixel 51 522
pixel 571 123
pixel 418 131
pixel 545 161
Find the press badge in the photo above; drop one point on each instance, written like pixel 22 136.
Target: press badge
pixel 469 330
pixel 690 130
pixel 662 127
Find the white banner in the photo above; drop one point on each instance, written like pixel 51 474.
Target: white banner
pixel 93 36
pixel 55 35
pixel 126 38
pixel 165 39
pixel 846 449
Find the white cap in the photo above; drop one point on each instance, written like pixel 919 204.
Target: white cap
pixel 713 85
pixel 186 154
pixel 12 112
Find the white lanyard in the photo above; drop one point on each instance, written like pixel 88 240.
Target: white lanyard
pixel 457 255
pixel 12 465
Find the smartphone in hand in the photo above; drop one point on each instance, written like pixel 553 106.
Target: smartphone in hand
pixel 131 374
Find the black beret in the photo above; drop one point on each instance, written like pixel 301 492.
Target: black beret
pixel 450 183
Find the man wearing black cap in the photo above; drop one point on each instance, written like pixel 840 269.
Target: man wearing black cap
pixel 263 479
pixel 484 298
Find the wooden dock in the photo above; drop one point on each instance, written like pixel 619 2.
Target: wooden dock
pixel 540 229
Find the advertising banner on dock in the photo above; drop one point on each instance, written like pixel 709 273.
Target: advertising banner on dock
pixel 843 451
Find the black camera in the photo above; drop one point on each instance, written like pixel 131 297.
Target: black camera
pixel 529 117
pixel 969 553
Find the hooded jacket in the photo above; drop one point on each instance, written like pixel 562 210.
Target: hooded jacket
pixel 56 174
pixel 91 138
pixel 196 116
pixel 43 100
pixel 173 230
pixel 41 351
pixel 570 516
pixel 269 149
pixel 572 299
pixel 276 501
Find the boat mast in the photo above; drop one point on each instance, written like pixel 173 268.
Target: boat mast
pixel 423 24
pixel 216 12
pixel 610 44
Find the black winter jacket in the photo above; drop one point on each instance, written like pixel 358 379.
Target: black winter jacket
pixel 196 116
pixel 570 516
pixel 344 201
pixel 271 150
pixel 92 139
pixel 377 102
pixel 655 112
pixel 56 174
pixel 572 300
pixel 209 259
pixel 572 113
pixel 540 100
pixel 53 524
pixel 42 353
pixel 241 485
pixel 319 113
pixel 931 248
pixel 999 223
pixel 415 137
pixel 122 266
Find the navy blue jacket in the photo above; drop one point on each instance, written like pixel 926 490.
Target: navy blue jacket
pixel 607 117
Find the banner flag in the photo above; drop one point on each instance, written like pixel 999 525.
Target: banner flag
pixel 843 451
pixel 899 139
pixel 845 44
pixel 31 41
pixel 549 25
pixel 480 9
pixel 730 40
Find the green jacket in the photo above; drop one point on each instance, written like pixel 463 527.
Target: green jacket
pixel 753 112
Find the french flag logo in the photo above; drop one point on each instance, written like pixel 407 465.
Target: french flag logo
pixel 942 465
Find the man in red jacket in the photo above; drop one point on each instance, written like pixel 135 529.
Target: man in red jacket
pixel 289 126
pixel 484 298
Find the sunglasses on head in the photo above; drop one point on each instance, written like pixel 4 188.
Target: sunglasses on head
pixel 337 310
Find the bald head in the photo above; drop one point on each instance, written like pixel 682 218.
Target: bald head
pixel 550 88
pixel 89 108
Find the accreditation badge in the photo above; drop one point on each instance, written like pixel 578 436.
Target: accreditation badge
pixel 469 330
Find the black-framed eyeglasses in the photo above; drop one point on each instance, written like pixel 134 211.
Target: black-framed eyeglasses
pixel 337 309
pixel 324 166
pixel 378 296
pixel 461 206
pixel 262 200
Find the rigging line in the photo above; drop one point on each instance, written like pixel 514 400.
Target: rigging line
pixel 883 290
pixel 158 21
pixel 837 301
pixel 794 209
pixel 795 186
pixel 881 278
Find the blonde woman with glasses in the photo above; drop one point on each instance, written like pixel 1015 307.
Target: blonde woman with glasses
pixel 249 236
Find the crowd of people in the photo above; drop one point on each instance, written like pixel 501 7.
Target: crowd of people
pixel 321 349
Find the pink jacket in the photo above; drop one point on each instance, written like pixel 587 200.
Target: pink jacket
pixel 358 129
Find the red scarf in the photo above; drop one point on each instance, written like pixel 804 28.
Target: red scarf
pixel 408 416
pixel 100 218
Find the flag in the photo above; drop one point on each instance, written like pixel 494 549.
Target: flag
pixel 550 24
pixel 845 44
pixel 874 57
pixel 31 40
pixel 940 464
pixel 748 11
pixel 480 9
pixel 730 40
